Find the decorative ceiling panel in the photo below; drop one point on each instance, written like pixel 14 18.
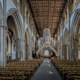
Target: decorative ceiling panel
pixel 47 13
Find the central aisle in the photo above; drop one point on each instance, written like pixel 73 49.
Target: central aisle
pixel 46 71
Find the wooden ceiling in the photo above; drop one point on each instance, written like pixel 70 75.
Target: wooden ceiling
pixel 47 14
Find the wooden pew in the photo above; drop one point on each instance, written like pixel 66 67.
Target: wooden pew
pixel 68 69
pixel 19 70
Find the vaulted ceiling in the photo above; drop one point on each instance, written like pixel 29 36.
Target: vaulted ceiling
pixel 47 14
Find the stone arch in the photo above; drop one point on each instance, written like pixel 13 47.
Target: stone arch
pixel 77 38
pixel 12 38
pixel 13 12
pixel 75 27
pixel 19 25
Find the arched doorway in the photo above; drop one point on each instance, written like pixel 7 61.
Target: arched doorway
pixel 12 36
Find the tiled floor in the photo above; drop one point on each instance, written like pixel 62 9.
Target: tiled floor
pixel 47 71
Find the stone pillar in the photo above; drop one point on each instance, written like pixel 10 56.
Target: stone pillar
pixel 29 44
pixel 29 39
pixel 23 57
pixel 79 54
pixel 30 49
pixel 63 52
pixel 2 46
pixel 73 49
pixel 21 49
pixel 13 52
pixel 60 50
pixel 78 47
pixel 67 52
pixel 70 47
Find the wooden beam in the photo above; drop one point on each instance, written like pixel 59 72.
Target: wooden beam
pixel 60 16
pixel 28 1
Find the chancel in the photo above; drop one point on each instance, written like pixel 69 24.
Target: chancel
pixel 46 49
pixel 39 39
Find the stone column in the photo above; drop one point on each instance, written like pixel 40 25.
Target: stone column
pixel 13 52
pixel 18 49
pixel 73 46
pixel 78 47
pixel 23 57
pixel 30 49
pixel 21 49
pixel 70 47
pixel 2 46
pixel 67 52
pixel 61 51
pixel 78 53
pixel 29 44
